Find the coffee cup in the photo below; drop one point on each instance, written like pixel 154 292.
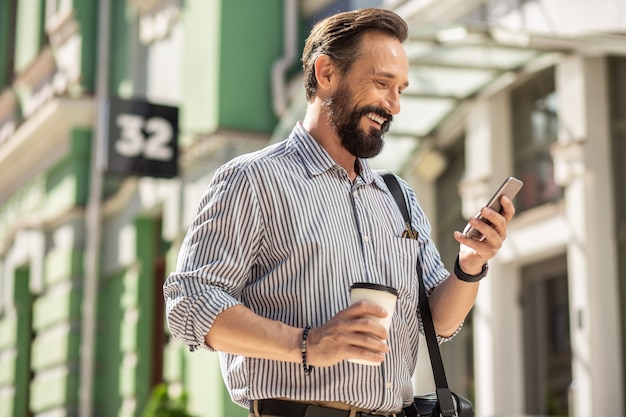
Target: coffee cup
pixel 382 295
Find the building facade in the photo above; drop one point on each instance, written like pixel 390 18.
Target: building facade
pixel 173 89
pixel 86 245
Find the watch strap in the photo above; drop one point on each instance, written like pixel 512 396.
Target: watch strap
pixel 467 277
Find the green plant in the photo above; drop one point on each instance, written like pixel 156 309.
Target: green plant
pixel 161 404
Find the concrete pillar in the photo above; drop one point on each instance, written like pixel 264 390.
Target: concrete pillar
pixel 582 166
pixel 498 357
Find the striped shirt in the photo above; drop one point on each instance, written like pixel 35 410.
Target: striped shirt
pixel 285 232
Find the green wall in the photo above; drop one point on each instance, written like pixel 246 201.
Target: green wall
pixel 86 15
pixel 15 330
pixel 108 397
pixel 148 249
pixel 119 46
pixel 228 65
pixel 227 54
pixel 45 327
pixel 252 42
pixel 126 316
pixel 6 49
pixel 200 59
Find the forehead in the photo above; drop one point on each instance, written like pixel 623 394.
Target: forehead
pixel 382 53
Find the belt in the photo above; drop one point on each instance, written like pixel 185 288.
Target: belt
pixel 282 408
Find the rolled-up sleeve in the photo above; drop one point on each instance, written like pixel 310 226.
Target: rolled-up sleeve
pixel 215 258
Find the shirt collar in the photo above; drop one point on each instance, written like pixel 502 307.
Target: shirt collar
pixel 314 157
pixel 317 160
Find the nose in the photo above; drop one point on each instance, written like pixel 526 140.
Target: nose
pixel 393 102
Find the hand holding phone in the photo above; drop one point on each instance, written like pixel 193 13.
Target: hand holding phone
pixel 510 187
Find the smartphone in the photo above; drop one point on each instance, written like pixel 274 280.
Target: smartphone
pixel 510 187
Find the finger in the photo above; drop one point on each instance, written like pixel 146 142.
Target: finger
pixel 369 342
pixel 338 340
pixel 362 317
pixel 487 226
pixel 356 352
pixel 508 208
pixel 478 248
pixel 496 222
pixel 468 241
pixel 367 325
pixel 365 307
pixel 483 249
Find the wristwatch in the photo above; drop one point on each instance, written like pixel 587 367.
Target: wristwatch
pixel 466 277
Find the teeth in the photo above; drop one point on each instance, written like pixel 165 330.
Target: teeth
pixel 376 118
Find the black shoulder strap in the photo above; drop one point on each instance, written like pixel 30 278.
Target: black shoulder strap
pixel 444 395
pixel 392 183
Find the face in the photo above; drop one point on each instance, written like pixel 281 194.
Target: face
pixel 345 118
pixel 362 107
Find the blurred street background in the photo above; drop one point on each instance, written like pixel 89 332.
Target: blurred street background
pixel 114 115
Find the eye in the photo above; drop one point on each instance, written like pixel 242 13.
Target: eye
pixel 381 84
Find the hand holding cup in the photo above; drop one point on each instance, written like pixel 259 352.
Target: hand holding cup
pixel 383 295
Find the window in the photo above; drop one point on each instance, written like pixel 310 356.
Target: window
pixel 29 32
pixel 547 346
pixel 535 126
pixel 449 210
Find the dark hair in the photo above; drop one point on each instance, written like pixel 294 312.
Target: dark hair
pixel 339 37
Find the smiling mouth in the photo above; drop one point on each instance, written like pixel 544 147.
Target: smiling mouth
pixel 376 118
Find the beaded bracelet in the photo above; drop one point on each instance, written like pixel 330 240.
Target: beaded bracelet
pixel 307 368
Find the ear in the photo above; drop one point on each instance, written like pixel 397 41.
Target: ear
pixel 326 72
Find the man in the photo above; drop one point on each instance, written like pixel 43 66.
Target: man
pixel 264 272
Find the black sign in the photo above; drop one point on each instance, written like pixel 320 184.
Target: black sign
pixel 143 139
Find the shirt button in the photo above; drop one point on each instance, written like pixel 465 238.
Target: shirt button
pixel 366 238
pixel 388 385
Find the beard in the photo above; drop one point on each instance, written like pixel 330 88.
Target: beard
pixel 345 119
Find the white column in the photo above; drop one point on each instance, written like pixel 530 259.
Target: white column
pixel 498 356
pixel 484 353
pixel 582 166
pixel 474 192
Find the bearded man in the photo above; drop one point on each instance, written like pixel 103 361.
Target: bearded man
pixel 264 272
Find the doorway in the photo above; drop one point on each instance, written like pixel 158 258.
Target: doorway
pixel 547 347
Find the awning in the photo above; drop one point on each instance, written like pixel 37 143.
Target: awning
pixel 453 63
